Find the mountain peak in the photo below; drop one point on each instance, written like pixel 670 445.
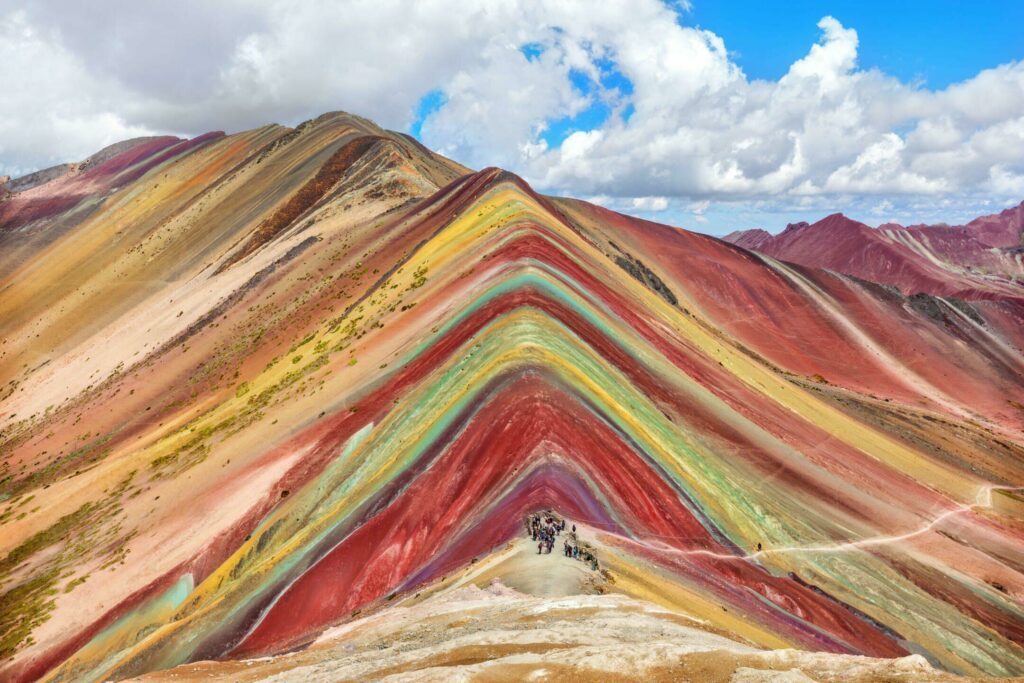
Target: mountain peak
pixel 840 221
pixel 1004 229
pixel 261 389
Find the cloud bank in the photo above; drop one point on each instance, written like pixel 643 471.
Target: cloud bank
pixel 619 101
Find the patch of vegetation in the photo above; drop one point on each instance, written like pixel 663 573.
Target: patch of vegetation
pixel 22 610
pixel 93 531
pixel 75 461
pixel 419 277
pixel 179 460
pixel 44 539
pixel 197 447
pixel 72 585
pixel 305 340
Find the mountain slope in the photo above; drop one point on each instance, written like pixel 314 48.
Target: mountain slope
pixel 295 374
pixel 455 630
pixel 1004 229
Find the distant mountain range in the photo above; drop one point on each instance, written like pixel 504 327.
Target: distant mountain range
pixel 982 259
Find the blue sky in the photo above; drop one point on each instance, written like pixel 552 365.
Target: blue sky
pixel 934 42
pixel 937 41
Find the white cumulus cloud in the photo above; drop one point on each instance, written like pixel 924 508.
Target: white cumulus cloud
pixel 686 124
pixel 650 203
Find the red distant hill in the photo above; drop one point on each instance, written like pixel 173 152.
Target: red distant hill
pixel 979 260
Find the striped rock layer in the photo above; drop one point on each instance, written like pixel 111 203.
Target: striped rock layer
pixel 257 384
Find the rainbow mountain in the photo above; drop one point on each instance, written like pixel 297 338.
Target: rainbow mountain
pixel 262 388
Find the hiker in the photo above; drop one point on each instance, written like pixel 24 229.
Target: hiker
pixel 539 546
pixel 758 547
pixel 574 528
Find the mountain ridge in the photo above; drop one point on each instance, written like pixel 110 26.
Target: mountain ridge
pixel 372 396
pixel 978 260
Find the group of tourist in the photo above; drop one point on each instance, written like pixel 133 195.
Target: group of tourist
pixel 544 528
pixel 572 549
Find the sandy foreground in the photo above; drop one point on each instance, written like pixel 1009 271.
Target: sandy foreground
pixel 522 616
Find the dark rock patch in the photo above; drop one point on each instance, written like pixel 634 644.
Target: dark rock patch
pixel 641 272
